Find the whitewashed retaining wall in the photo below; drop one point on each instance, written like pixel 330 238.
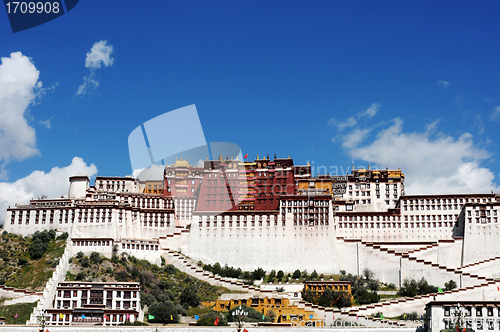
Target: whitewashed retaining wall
pixel 277 247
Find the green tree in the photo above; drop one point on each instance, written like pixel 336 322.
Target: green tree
pixel 258 274
pixel 373 284
pixel 296 274
pixel 409 288
pixel 280 275
pixel 271 276
pixel 368 275
pixel 314 275
pixel 216 269
pixel 450 285
pixel 23 261
pixel 95 258
pixel 85 262
pixel 36 250
pixel 189 297
pixel 63 236
pixel 163 313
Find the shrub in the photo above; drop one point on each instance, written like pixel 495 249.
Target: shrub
pixel 208 319
pixel 189 297
pixel 23 261
pixel 79 255
pixel 122 275
pixel 135 323
pixel 329 298
pixel 413 288
pixel 409 316
pixel 271 276
pixel 296 274
pixel 95 258
pixel 450 285
pixel 63 236
pixel 258 274
pixel 85 262
pixel 216 269
pixel 147 299
pixel 37 250
pixel 170 269
pixel 165 314
pixel 180 310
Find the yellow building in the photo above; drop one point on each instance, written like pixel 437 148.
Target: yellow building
pixel 282 307
pixel 320 286
pixel 154 187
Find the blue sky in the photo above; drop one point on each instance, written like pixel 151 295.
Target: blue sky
pixel 388 83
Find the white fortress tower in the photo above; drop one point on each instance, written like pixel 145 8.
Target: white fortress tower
pixel 78 186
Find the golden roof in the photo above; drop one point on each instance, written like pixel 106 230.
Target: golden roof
pixel 181 163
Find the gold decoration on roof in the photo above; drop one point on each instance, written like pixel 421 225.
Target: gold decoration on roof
pixel 181 163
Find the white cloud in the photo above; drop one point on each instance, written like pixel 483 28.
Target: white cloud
pixel 341 125
pixel 52 184
pixel 495 115
pixel 153 172
pixel 372 111
pixel 354 138
pixel 100 54
pixel 444 83
pixel 478 124
pixel 19 88
pixel 47 123
pixel 432 163
pixel 353 120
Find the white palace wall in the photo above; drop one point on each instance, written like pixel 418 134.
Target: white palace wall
pixel 275 247
pixel 449 231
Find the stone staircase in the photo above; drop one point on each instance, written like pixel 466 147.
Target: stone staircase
pixel 18 295
pixel 190 267
pixel 475 279
pixel 50 288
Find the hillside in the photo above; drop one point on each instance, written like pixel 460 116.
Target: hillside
pixel 162 287
pixel 18 266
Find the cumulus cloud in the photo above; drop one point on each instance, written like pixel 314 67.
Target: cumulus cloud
pixel 353 120
pixel 19 88
pixel 444 83
pixel 99 55
pixel 354 138
pixel 52 184
pixel 432 162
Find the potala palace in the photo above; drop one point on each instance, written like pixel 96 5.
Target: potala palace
pixel 273 214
